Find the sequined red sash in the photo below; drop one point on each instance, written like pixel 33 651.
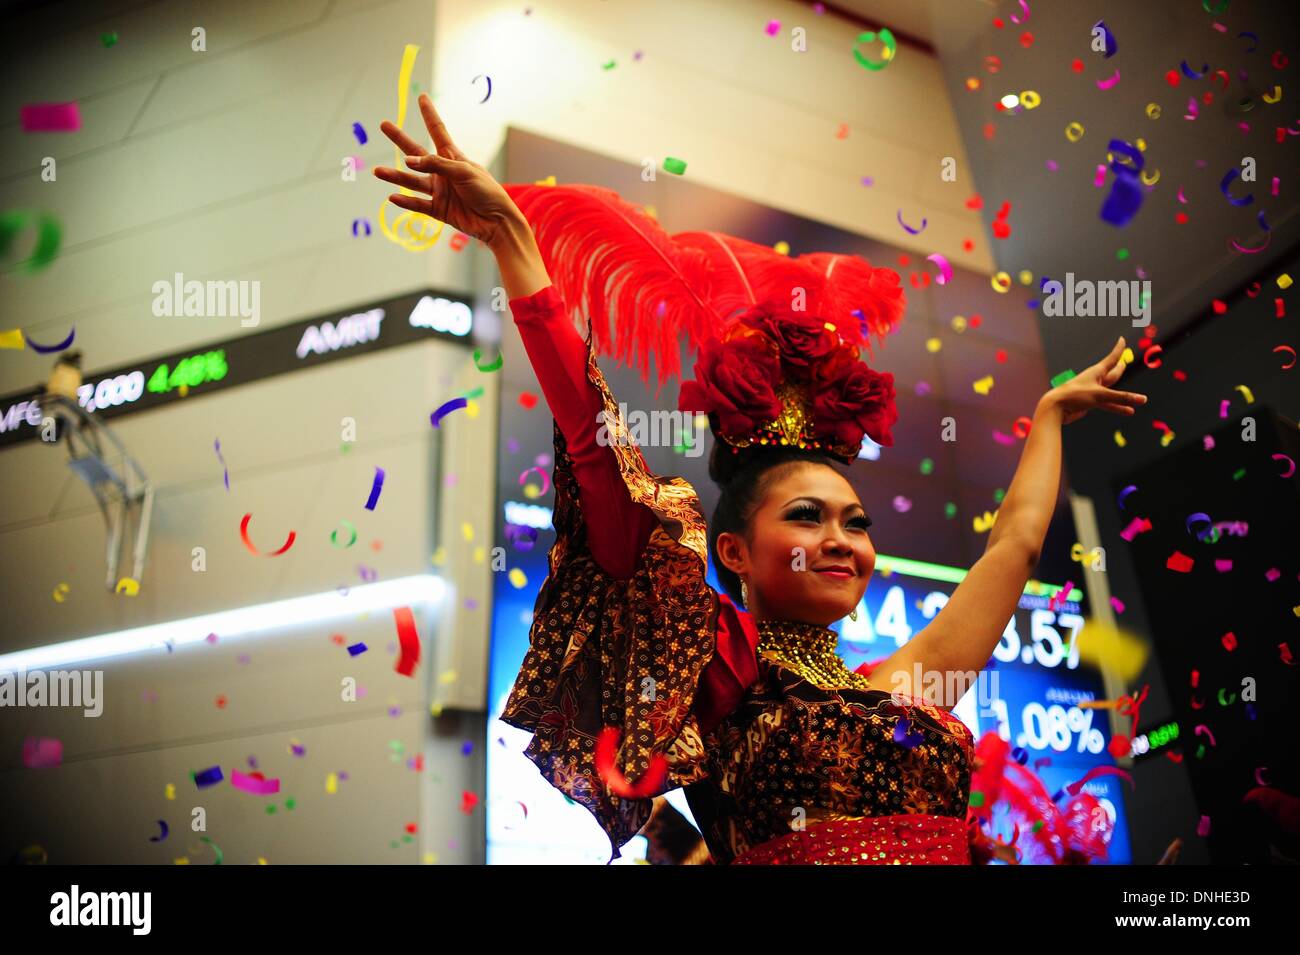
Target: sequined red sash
pixel 875 840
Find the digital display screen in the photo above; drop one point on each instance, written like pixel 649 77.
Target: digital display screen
pixel 238 361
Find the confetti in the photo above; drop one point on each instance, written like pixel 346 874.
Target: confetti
pixel 163 830
pixel 908 228
pixel 1139 525
pixel 1227 180
pixel 445 409
pixel 886 55
pixel 375 490
pixel 40 752
pixel 253 784
pixel 675 166
pixel 493 366
pixel 1110 81
pixel 50 117
pixel 334 535
pixel 243 533
pixel 945 269
pixel 1108 39
pixel 488 94
pixel 50 349
pixel 618 784
pixel 208 777
pixel 217 446
pixel 359 131
pixel 409 639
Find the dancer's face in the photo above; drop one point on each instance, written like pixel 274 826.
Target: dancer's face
pixel 809 519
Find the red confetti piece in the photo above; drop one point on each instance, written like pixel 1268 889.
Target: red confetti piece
pixel 1229 641
pixel 243 533
pixel 606 753
pixel 528 399
pixel 1179 562
pixel 409 640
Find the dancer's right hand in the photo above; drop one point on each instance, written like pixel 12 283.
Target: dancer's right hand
pixel 453 188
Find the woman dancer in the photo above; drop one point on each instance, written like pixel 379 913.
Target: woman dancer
pixel 640 677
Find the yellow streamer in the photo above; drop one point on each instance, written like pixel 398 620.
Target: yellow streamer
pixel 1250 399
pixel 1277 95
pixel 410 230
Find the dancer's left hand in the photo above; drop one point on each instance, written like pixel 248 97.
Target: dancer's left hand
pixel 1091 389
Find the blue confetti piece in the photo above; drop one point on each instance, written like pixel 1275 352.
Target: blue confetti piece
pixel 357 649
pixel 359 131
pixel 208 777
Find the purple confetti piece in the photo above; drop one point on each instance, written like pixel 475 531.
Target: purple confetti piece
pixel 394 711
pixel 375 489
pixel 868 181
pixel 357 649
pixel 471 603
pixel 512 445
pixel 359 131
pixel 252 762
pixel 467 747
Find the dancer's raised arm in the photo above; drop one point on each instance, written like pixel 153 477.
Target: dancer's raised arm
pixel 961 638
pixel 463 194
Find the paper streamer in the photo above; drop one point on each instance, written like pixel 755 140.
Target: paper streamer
pixel 163 830
pixel 375 490
pixel 243 533
pixel 546 481
pixel 478 357
pixel 334 535
pixel 409 640
pixel 251 784
pixel 413 231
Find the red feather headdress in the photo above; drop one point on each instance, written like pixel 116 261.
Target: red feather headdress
pixel 777 338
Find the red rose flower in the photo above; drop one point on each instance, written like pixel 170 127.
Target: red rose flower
pixel 736 380
pixel 856 401
pixel 802 339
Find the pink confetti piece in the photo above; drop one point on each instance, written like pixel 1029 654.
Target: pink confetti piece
pixel 251 784
pixel 1222 566
pixel 1001 438
pixel 1099 178
pixel 1223 408
pixel 1275 181
pixel 1108 82
pixel 922 387
pixel 1203 827
pixel 1139 525
pixel 1117 604
pixel 41 752
pixel 50 117
pixel 945 269
pixel 1192 109
pixel 773 27
pixel 1272 574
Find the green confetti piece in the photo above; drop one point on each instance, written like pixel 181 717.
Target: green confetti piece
pixel 1122 254
pixel 675 166
pixel 270 810
pixel 950 510
pixel 108 39
pixel 1062 378
pixel 393 844
pixel 1239 475
pixel 927 466
pixel 47 241
pixel 999 494
pixel 609 66
pixel 1038 825
pixel 476 393
pixel 289 804
pixel 977 799
pixel 408 838
pixel 216 849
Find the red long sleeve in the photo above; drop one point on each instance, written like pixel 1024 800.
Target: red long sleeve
pixel 617 527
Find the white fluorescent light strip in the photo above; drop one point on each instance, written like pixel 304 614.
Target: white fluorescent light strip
pixel 232 624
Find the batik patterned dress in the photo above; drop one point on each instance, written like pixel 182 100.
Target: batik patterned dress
pixel 779 765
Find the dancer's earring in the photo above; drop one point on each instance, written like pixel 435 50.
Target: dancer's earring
pixel 854 614
pixel 744 595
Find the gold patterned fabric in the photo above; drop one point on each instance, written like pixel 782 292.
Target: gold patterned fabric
pixel 809 741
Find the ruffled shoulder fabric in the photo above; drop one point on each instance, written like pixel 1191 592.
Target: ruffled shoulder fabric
pixel 624 653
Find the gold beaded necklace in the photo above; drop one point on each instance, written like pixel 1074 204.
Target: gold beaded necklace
pixel 809 650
